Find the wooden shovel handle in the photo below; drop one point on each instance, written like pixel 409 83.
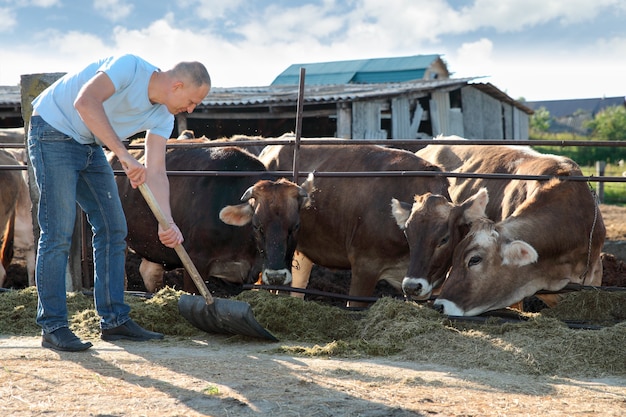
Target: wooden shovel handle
pixel 180 250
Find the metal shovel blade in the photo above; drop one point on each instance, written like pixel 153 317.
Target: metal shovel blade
pixel 222 316
pixel 205 312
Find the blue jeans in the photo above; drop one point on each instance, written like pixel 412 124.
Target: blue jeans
pixel 67 173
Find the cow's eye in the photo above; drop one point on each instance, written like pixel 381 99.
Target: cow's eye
pixel 474 260
pixel 444 241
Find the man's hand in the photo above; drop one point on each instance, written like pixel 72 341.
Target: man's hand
pixel 135 171
pixel 171 237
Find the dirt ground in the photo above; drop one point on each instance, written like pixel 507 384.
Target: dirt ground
pixel 215 375
pixel 212 377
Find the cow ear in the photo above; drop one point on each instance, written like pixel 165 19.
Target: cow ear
pixel 238 215
pixel 475 206
pixel 303 198
pixel 518 253
pixel 308 185
pixel 401 212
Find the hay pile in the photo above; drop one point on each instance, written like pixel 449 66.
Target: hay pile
pixel 541 345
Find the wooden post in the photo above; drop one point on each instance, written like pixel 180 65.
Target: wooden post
pixel 181 122
pixel 600 166
pixel 31 86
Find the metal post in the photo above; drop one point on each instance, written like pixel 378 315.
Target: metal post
pixel 296 148
pixel 600 167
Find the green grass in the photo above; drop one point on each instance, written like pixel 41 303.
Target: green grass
pixel 614 192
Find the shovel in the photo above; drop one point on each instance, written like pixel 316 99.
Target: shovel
pixel 213 315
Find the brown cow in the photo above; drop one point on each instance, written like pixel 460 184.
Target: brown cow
pixel 532 235
pixel 433 226
pixel 347 224
pixel 15 218
pixel 216 249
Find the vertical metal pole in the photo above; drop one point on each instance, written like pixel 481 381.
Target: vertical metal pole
pixel 296 148
pixel 600 167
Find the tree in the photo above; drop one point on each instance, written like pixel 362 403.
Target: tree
pixel 540 121
pixel 609 124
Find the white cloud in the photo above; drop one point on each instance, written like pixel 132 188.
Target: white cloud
pixel 42 3
pixel 291 25
pixel 9 21
pixel 472 59
pixel 268 38
pixel 211 10
pixel 113 10
pixel 515 15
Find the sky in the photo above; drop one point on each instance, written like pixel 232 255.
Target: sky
pixel 531 49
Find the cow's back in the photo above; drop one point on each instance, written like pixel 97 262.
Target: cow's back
pixel 505 195
pixel 349 218
pixel 195 202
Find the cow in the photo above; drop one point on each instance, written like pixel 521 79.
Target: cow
pixel 433 226
pixel 15 218
pixel 217 249
pixel 530 235
pixel 347 224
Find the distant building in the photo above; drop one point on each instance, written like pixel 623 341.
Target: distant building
pixel 571 115
pixel 367 71
pixel 384 98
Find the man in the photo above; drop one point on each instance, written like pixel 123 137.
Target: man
pixel 107 101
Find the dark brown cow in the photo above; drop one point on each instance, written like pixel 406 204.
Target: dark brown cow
pixel 532 235
pixel 216 249
pixel 16 224
pixel 347 224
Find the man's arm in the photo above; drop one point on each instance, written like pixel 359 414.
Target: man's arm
pixel 159 185
pixel 89 105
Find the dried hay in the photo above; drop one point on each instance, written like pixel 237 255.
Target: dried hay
pixel 594 306
pixel 298 320
pixel 541 345
pixel 18 310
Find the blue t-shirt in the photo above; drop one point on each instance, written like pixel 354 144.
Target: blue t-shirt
pixel 129 109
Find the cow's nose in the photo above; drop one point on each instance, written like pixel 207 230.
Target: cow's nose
pixel 273 277
pixel 411 287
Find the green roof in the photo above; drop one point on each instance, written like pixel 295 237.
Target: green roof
pixel 363 71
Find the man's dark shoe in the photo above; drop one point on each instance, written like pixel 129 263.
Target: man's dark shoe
pixel 65 340
pixel 129 331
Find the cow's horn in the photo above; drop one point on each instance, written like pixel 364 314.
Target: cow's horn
pixel 248 194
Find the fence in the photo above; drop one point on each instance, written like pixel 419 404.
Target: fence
pixel 81 251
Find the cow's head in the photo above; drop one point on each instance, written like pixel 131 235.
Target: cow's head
pixel 273 209
pixel 487 272
pixel 433 227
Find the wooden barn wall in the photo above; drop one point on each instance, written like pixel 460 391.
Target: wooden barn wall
pixel 507 116
pixel 492 116
pixel 472 113
pixel 405 125
pixel 482 115
pixel 366 120
pixel 344 121
pixel 439 109
pixel 522 124
pixel 456 122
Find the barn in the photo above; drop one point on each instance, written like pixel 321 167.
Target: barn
pixel 408 97
pixel 383 98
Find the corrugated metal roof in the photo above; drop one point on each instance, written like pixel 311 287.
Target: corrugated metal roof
pixel 283 94
pixel 288 94
pixel 10 95
pixel 376 70
pixel 495 92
